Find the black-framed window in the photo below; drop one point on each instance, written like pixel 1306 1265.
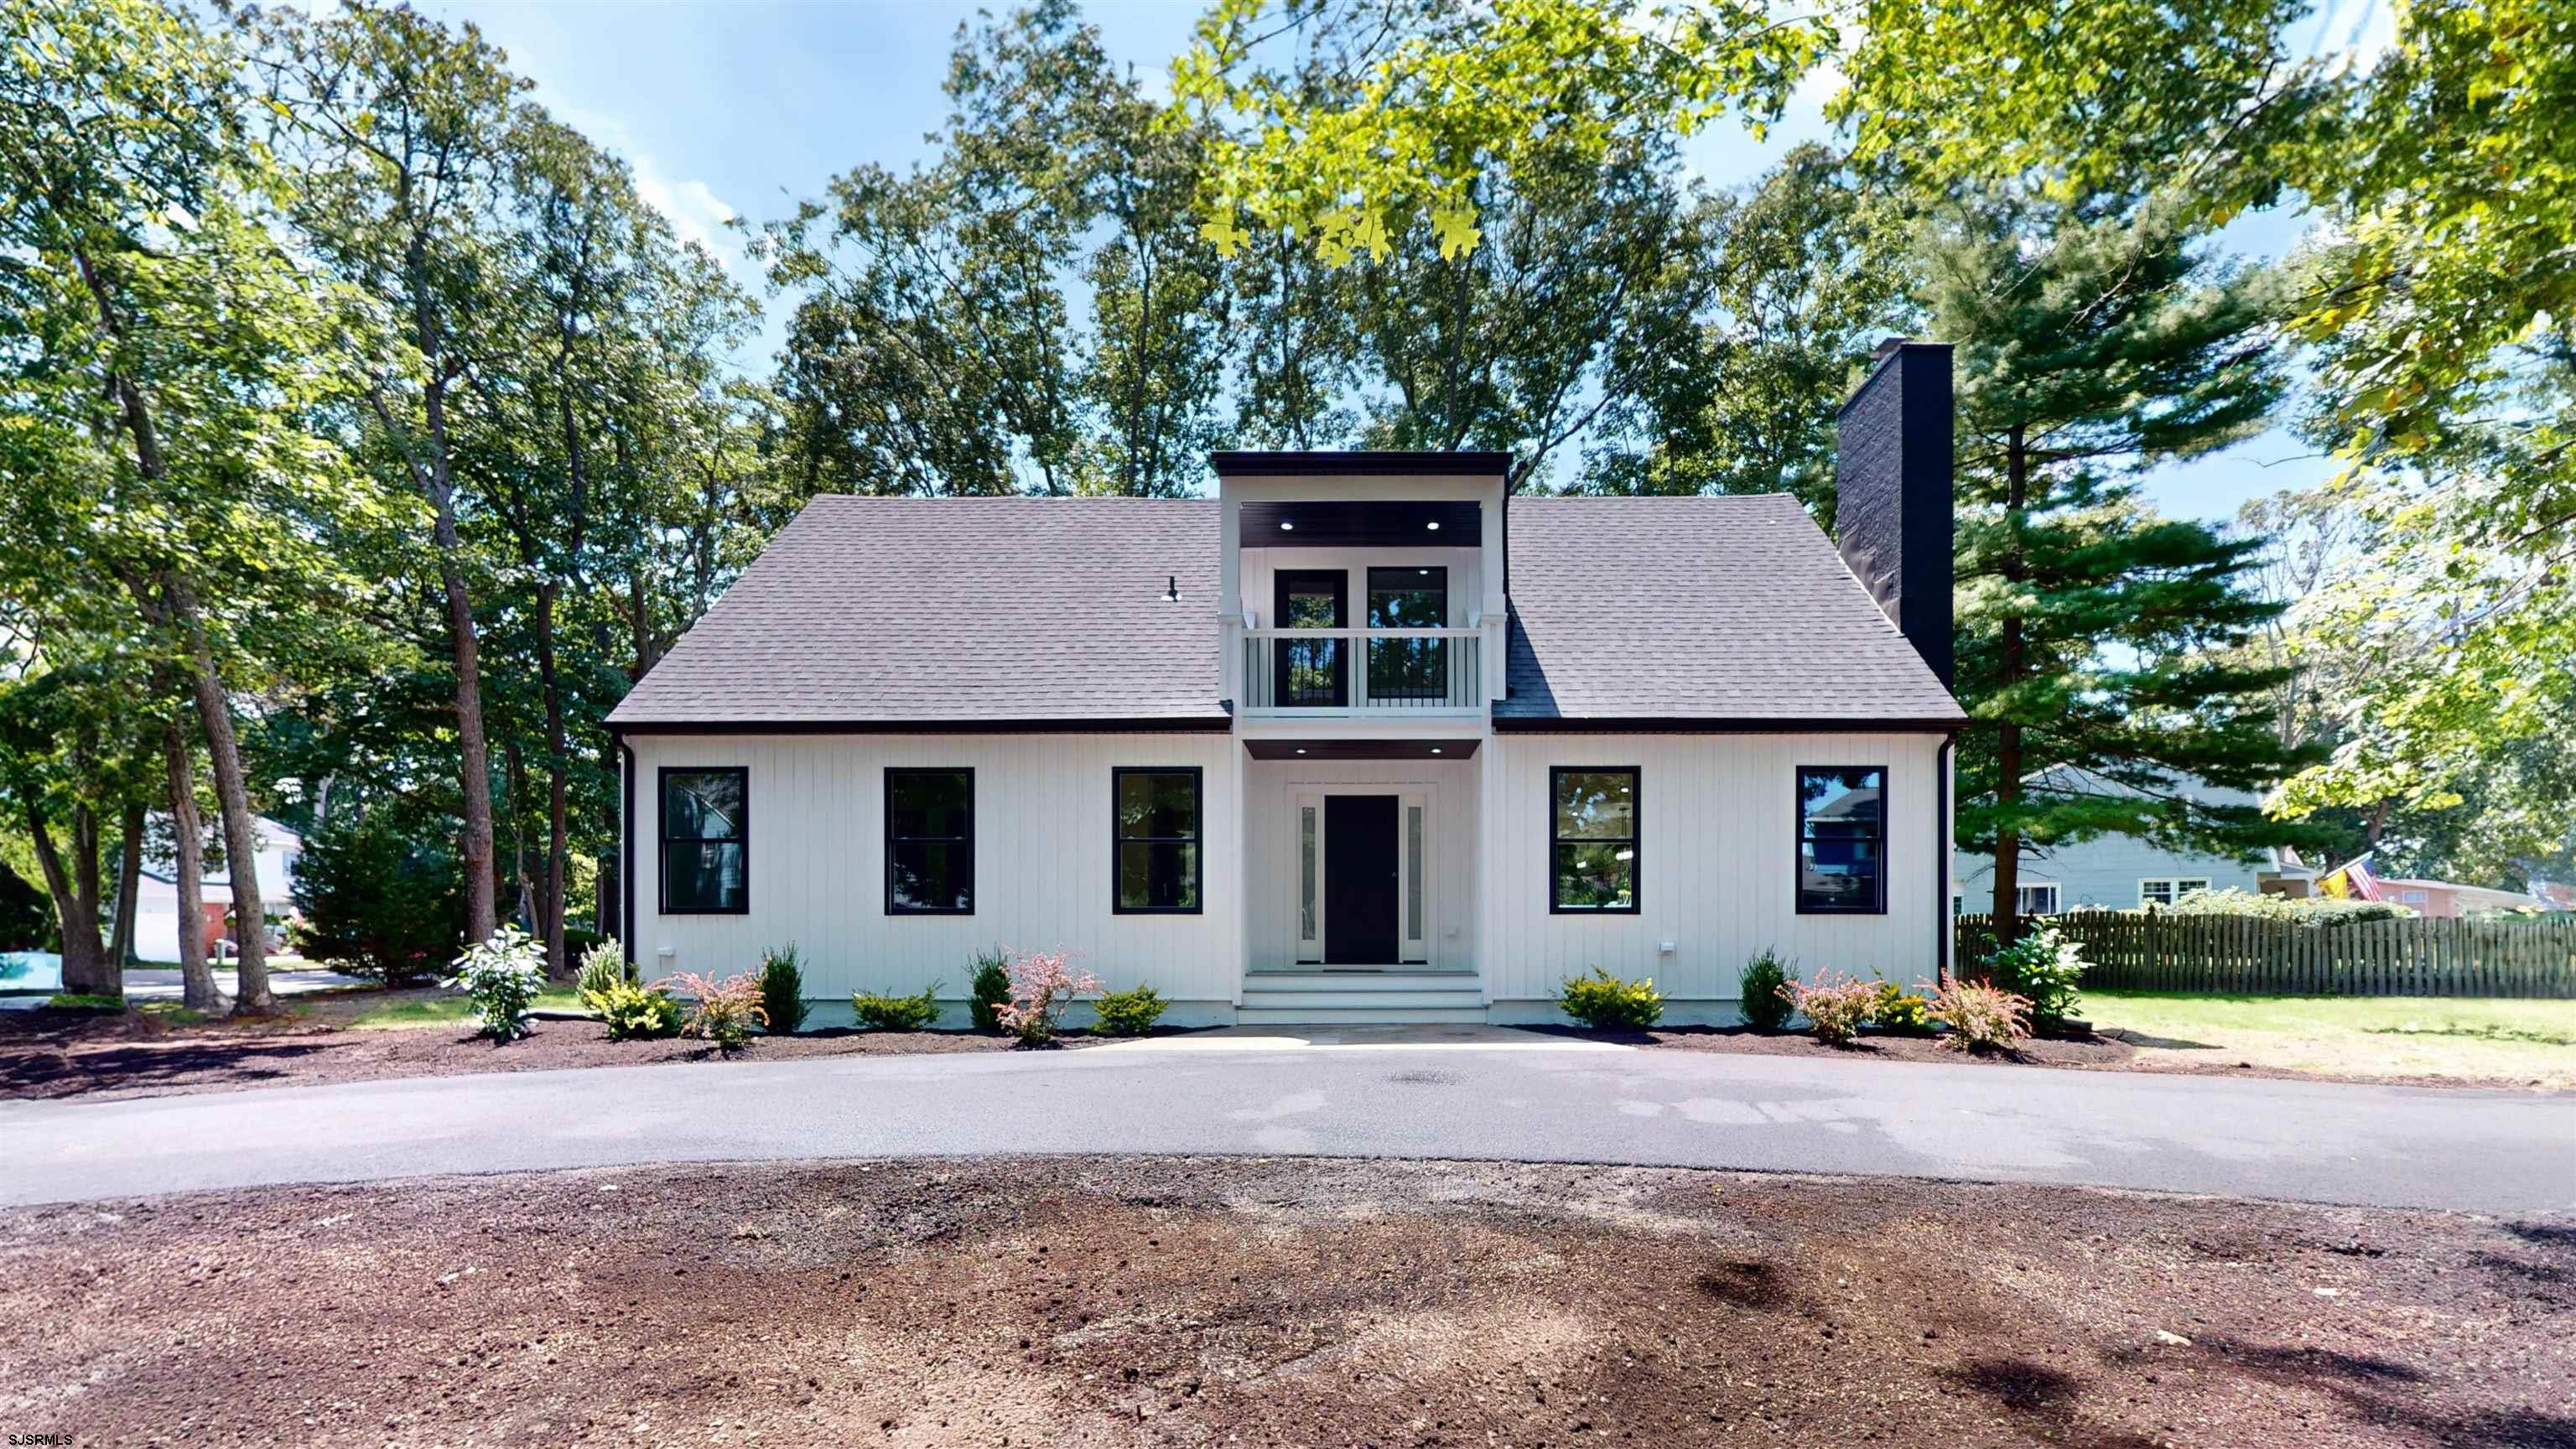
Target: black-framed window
pixel 1842 840
pixel 706 840
pixel 1157 826
pixel 1592 839
pixel 930 842
pixel 1408 670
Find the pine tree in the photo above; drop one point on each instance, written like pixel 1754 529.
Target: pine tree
pixel 2092 632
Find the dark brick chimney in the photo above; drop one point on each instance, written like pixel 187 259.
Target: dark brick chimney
pixel 1892 491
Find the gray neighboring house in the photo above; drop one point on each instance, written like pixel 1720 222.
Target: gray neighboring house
pixel 2117 872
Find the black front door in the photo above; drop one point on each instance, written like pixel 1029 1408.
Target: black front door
pixel 1359 880
pixel 1311 672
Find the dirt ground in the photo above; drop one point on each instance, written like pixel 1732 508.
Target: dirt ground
pixel 1266 1302
pixel 101 1055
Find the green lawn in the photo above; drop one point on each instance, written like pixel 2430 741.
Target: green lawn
pixel 2356 1036
pixel 445 1010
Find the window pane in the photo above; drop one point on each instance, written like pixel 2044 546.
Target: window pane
pixel 927 802
pixel 1850 798
pixel 1158 803
pixel 702 877
pixel 931 875
pixel 1156 876
pixel 702 805
pixel 1413 872
pixel 1306 873
pixel 1415 598
pixel 1595 877
pixel 1596 805
pixel 1838 874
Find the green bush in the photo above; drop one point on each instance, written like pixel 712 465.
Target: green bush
pixel 603 965
pixel 782 990
pixel 1899 1010
pixel 579 942
pixel 989 988
pixel 1604 1002
pixel 502 976
pixel 1130 1013
pixel 75 1001
pixel 2299 911
pixel 897 1013
pixel 1758 992
pixel 2042 967
pixel 634 1012
pixel 376 903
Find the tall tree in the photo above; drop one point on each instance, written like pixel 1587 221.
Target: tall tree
pixel 2090 630
pixel 398 134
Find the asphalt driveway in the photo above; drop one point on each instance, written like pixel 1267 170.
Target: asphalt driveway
pixel 2500 1152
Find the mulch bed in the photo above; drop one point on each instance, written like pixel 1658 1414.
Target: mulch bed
pixel 1263 1302
pixel 50 1053
pixel 2109 1051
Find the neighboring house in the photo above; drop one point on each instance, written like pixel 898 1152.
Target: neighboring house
pixel 2448 898
pixel 1360 739
pixel 2554 896
pixel 2117 872
pixel 156 894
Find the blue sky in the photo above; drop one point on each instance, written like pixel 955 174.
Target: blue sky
pixel 743 108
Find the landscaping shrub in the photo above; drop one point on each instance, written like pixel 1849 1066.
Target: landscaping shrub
pixel 1982 1018
pixel 1758 992
pixel 1835 1005
pixel 722 1012
pixel 989 988
pixel 1604 1002
pixel 1899 1010
pixel 2043 967
pixel 1130 1013
pixel 2302 911
pixel 782 990
pixel 502 977
pixel 602 966
pixel 633 1012
pixel 579 943
pixel 77 1001
pixel 1042 986
pixel 897 1013
pixel 374 902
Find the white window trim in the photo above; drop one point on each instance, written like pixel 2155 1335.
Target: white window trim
pixel 2176 887
pixel 1309 951
pixel 2056 900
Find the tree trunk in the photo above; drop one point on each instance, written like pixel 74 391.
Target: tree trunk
pixel 232 799
pixel 550 899
pixel 2008 740
pixel 188 833
pixel 474 757
pixel 85 967
pixel 129 875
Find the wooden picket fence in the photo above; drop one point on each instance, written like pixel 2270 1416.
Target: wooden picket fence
pixel 2420 956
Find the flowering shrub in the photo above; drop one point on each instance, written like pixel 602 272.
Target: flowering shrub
pixel 1897 1009
pixel 1604 1002
pixel 1757 992
pixel 634 1012
pixel 602 966
pixel 2042 966
pixel 1130 1013
pixel 1982 1018
pixel 1835 1005
pixel 722 1012
pixel 897 1013
pixel 1042 986
pixel 2296 910
pixel 502 977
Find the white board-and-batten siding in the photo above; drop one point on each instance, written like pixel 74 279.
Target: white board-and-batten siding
pixel 1718 852
pixel 1042 862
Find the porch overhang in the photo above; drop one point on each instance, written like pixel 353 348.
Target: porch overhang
pixel 1360 749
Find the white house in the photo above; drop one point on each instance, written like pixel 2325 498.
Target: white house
pixel 1362 738
pixel 156 892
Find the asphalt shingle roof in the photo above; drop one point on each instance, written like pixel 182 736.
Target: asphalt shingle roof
pixel 888 612
pixel 1732 608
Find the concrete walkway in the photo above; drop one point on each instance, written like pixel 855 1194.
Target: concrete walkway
pixel 1468 1097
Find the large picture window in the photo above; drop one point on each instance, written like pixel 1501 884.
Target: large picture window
pixel 1156 825
pixel 1592 840
pixel 930 842
pixel 1842 840
pixel 706 841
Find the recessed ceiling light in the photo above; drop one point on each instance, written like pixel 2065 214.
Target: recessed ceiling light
pixel 1287 527
pixel 1435 749
pixel 1433 525
pixel 1426 573
pixel 1301 752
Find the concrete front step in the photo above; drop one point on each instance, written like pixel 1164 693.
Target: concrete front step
pixel 1251 1015
pixel 1311 980
pixel 1354 1000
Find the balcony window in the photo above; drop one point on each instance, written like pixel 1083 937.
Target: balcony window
pixel 1311 672
pixel 1408 670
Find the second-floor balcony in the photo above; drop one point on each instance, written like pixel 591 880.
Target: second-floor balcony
pixel 1362 671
